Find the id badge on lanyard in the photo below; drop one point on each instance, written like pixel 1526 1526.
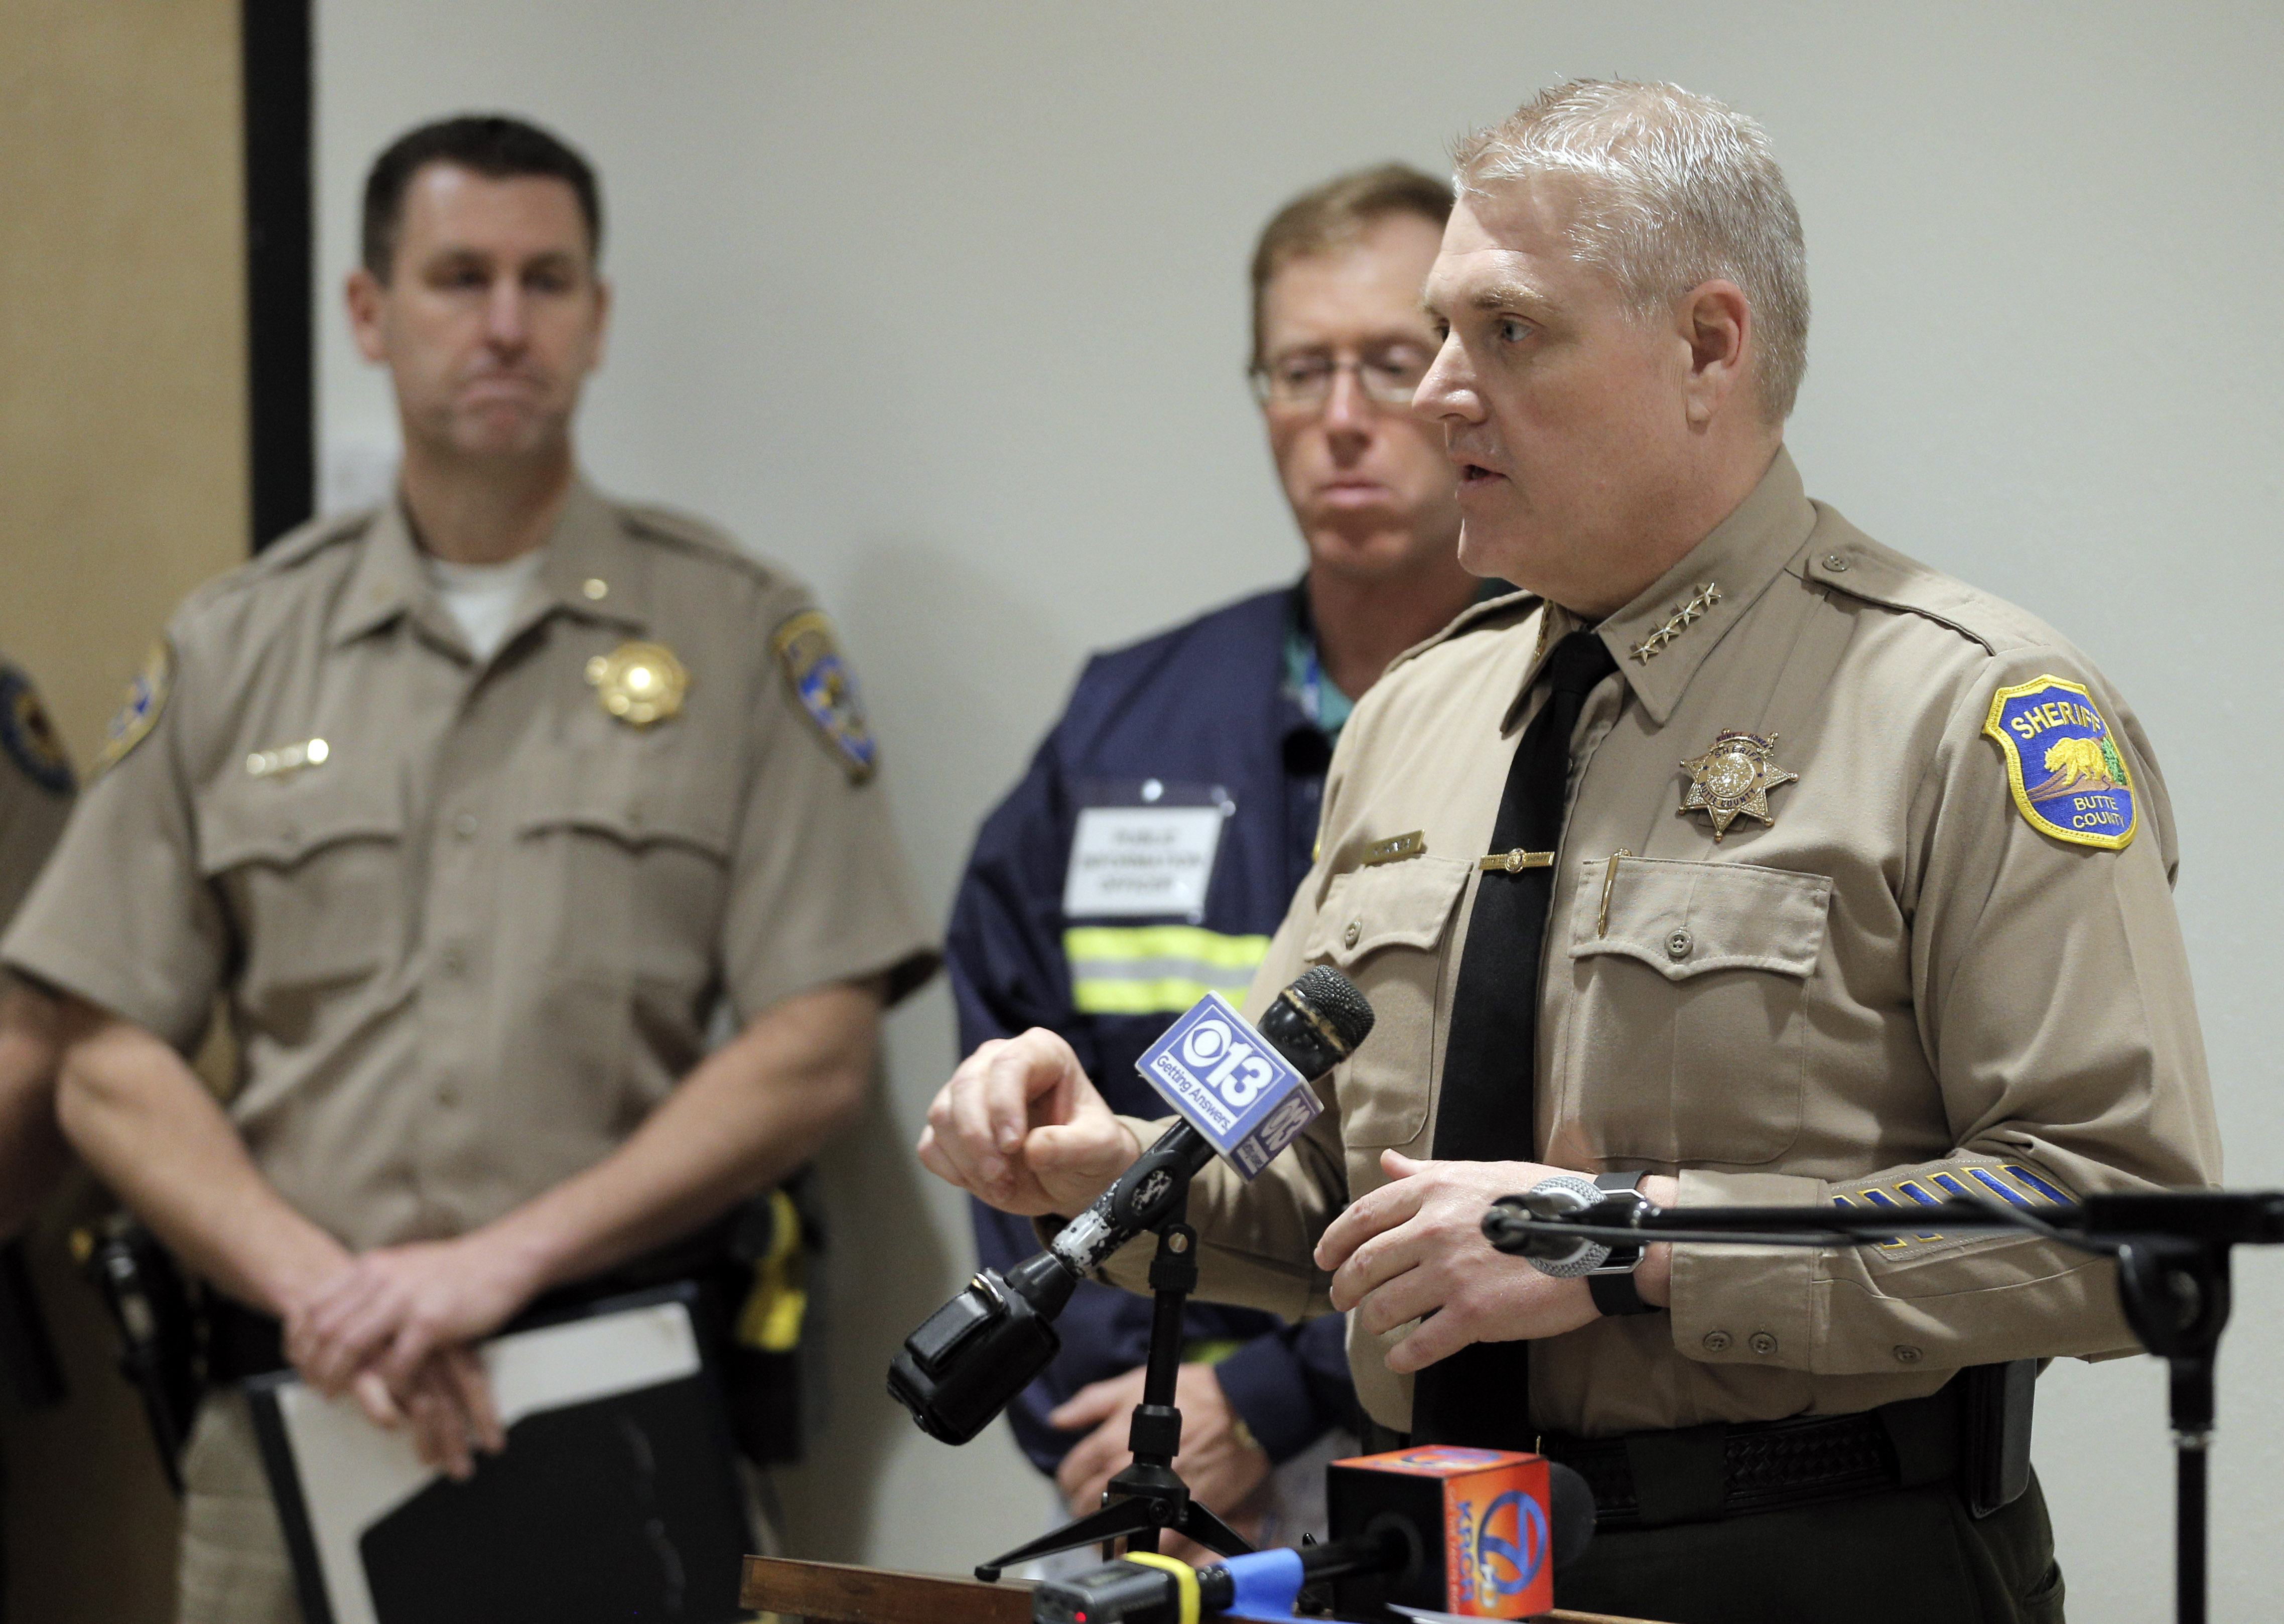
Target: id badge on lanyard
pixel 1144 850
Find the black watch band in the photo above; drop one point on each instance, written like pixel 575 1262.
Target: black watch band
pixel 1612 1285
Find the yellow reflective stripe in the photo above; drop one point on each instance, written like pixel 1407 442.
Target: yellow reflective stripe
pixel 1114 944
pixel 1156 969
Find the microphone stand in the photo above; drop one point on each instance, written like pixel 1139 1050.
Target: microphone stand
pixel 1148 1495
pixel 2172 1250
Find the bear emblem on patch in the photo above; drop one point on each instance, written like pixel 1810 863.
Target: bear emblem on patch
pixel 2069 778
pixel 822 682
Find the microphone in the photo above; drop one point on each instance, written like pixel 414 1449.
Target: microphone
pixel 1470 1533
pixel 1242 1092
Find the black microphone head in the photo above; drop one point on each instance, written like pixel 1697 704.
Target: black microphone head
pixel 1570 1512
pixel 1333 999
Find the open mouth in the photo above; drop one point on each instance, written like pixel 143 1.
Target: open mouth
pixel 1476 474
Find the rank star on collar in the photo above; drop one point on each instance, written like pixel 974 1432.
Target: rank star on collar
pixel 1650 647
pixel 1733 778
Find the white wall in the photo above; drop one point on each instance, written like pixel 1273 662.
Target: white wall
pixel 943 306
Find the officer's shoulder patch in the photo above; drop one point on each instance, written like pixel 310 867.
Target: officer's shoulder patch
pixel 146 696
pixel 29 736
pixel 821 681
pixel 2069 778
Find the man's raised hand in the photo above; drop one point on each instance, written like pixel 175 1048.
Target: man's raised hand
pixel 1021 1128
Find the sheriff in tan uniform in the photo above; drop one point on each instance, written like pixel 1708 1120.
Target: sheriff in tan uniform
pixel 469 919
pixel 474 811
pixel 1857 890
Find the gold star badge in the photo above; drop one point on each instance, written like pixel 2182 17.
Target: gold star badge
pixel 1734 776
pixel 639 683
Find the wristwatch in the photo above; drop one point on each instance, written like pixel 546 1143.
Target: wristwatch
pixel 1611 1281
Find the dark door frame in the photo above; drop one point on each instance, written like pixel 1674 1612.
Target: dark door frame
pixel 275 40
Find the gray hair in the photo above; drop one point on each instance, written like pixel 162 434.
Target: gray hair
pixel 1677 190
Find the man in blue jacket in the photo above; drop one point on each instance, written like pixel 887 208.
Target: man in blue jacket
pixel 1152 847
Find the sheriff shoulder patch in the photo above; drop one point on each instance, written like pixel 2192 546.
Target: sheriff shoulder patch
pixel 2069 778
pixel 146 696
pixel 820 678
pixel 27 735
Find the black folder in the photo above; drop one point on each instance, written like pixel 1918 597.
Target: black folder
pixel 621 1505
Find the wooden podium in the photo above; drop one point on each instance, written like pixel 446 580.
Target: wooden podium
pixel 835 1593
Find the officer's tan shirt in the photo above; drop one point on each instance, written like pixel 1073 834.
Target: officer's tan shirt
pixel 36 788
pixel 1899 977
pixel 468 952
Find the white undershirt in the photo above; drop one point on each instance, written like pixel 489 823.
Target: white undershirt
pixel 482 596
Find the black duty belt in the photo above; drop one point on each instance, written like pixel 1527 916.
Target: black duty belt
pixel 1702 1473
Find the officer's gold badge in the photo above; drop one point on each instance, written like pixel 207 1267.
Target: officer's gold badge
pixel 639 683
pixel 146 696
pixel 1733 778
pixel 826 689
pixel 27 735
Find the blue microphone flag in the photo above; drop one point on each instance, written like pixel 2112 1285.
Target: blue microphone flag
pixel 1230 1083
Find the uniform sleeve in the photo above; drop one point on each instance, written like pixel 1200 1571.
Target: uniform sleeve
pixel 2052 992
pixel 819 889
pixel 123 916
pixel 1291 1387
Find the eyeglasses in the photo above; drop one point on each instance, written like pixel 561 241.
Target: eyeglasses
pixel 1302 380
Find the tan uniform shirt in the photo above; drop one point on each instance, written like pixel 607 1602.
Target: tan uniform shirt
pixel 1900 982
pixel 467 951
pixel 35 787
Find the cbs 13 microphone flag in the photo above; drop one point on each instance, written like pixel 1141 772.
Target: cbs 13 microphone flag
pixel 1231 1083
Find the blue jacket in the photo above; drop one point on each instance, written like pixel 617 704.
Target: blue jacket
pixel 1199 715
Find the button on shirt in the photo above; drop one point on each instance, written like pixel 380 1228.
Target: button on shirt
pixel 1897 985
pixel 474 941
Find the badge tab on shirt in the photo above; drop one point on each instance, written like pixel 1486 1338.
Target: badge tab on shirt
pixel 2068 776
pixel 821 680
pixel 1148 861
pixel 1223 1077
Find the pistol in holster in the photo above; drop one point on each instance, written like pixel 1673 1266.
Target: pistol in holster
pixel 153 1308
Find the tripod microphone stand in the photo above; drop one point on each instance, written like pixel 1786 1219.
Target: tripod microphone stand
pixel 2171 1247
pixel 1148 1495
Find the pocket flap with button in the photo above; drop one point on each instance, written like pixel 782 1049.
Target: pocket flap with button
pixel 281 821
pixel 1398 904
pixel 1687 919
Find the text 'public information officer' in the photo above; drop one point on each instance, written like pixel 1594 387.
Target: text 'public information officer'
pixel 1743 859
pixel 474 809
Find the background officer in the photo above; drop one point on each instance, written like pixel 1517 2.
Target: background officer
pixel 475 810
pixel 37 786
pixel 1900 924
pixel 1216 735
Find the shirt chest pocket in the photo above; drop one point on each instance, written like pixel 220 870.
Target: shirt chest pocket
pixel 1689 1014
pixel 311 871
pixel 619 874
pixel 1385 927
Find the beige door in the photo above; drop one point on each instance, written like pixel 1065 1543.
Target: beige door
pixel 123 485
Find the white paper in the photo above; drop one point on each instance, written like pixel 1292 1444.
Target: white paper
pixel 353 1475
pixel 1141 862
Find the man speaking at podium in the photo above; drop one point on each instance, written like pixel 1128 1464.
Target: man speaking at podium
pixel 1738 860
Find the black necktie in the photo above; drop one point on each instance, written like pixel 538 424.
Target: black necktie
pixel 1485 1113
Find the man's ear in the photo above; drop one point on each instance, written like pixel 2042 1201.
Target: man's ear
pixel 602 318
pixel 364 296
pixel 1716 319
